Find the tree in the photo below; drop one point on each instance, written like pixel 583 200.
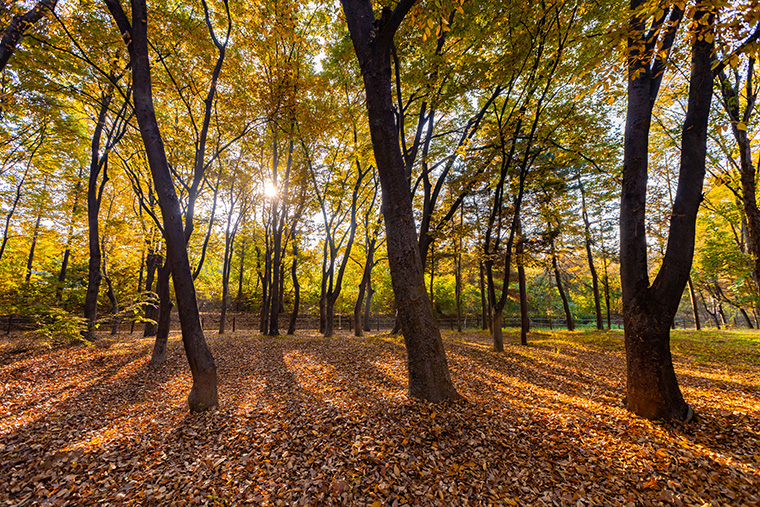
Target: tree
pixel 426 359
pixel 203 394
pixel 649 308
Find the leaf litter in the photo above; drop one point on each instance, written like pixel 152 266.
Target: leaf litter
pixel 308 420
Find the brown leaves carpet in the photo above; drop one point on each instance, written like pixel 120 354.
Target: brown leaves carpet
pixel 315 421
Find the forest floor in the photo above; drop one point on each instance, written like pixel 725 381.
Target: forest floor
pixel 315 421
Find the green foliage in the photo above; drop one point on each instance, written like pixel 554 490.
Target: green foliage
pixel 56 325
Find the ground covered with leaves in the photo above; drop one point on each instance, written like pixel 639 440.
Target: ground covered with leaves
pixel 315 421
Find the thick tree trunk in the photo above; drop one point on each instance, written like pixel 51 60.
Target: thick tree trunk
pixel 93 234
pixel 653 390
pixel 497 332
pixel 649 310
pixel 426 359
pixel 203 394
pixel 329 318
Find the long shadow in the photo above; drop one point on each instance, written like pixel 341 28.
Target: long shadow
pixel 89 414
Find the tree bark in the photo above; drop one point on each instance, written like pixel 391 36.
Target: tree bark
pixel 203 394
pixel 429 377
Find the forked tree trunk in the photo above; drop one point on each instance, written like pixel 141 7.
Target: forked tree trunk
pixel 426 359
pixel 649 310
pixel 203 394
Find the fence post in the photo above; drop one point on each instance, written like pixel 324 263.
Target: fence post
pixel 10 323
pixel 233 324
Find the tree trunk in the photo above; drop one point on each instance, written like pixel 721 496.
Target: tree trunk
pixel 429 377
pixel 154 262
pixel 694 307
pixel 296 292
pixel 358 328
pixel 746 318
pixel 33 248
pixel 570 322
pixel 524 317
pixel 274 297
pixel 93 234
pixel 114 305
pixel 165 305
pixel 485 309
pixel 203 394
pixel 458 286
pixel 649 310
pixel 590 257
pixel 497 332
pixel 69 241
pixel 731 104
pixel 329 318
pixel 239 297
pixel 368 304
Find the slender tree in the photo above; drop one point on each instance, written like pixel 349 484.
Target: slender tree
pixel 426 359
